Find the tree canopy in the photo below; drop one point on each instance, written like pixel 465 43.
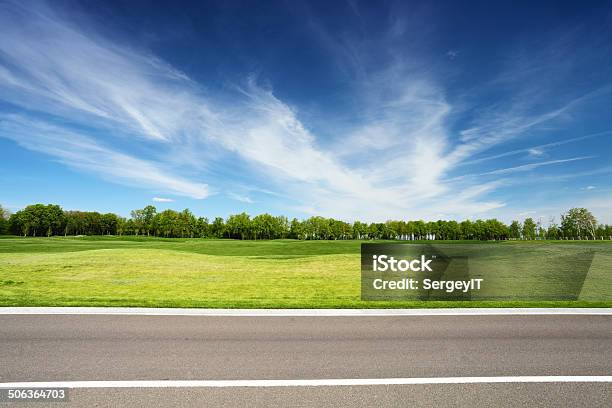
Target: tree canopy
pixel 46 220
pixel 4 217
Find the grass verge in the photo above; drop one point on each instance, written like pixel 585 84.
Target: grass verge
pixel 148 272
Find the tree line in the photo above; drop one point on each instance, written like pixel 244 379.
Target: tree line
pixel 48 220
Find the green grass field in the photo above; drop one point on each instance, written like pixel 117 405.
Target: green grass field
pixel 153 272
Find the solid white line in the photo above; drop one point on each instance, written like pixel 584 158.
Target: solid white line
pixel 306 383
pixel 298 312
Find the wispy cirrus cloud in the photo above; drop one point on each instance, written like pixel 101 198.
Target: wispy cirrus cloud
pixel 240 197
pixel 84 153
pixel 122 113
pixel 532 166
pixel 50 65
pixel 162 200
pixel 501 126
pixel 538 148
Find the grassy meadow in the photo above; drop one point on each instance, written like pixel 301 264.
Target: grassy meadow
pixel 154 272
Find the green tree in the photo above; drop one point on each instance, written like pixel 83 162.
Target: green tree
pixel 186 224
pixel 93 223
pixel 360 230
pixel 148 215
pixel 495 229
pixel 578 223
pixel 454 230
pixel 467 229
pixel 108 224
pixel 238 225
pixel 218 228
pixel 121 225
pixel 4 220
pixel 553 231
pixel 38 220
pixel 138 220
pixel 295 230
pixel 515 229
pixel 202 227
pixel 529 228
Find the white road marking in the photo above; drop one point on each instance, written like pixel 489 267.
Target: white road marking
pixel 307 383
pixel 298 312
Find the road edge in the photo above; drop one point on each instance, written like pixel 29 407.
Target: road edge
pixel 136 311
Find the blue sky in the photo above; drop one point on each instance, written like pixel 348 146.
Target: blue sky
pixel 348 109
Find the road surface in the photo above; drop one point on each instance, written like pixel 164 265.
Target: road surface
pixel 121 349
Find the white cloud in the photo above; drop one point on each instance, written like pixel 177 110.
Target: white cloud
pixel 83 153
pixel 533 166
pixel 499 127
pixel 240 197
pixel 539 148
pixel 391 163
pixel 51 65
pixel 162 200
pixel 535 152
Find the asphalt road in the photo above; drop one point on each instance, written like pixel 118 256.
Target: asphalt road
pixel 82 347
